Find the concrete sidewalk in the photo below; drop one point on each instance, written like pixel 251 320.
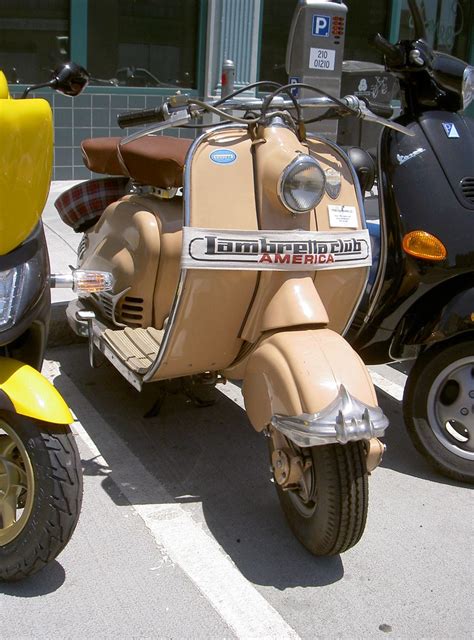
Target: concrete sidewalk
pixel 62 246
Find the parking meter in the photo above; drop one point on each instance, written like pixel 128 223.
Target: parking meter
pixel 315 51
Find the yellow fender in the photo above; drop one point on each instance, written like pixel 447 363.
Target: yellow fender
pixel 28 393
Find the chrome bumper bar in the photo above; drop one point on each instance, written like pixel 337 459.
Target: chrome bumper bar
pixel 345 420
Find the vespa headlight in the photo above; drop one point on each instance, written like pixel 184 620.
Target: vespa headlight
pixel 467 86
pixel 302 184
pixel 11 287
pixel 20 287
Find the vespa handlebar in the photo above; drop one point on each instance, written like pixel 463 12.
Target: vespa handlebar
pixel 391 52
pixel 381 110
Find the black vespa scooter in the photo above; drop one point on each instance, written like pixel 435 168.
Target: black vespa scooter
pixel 421 303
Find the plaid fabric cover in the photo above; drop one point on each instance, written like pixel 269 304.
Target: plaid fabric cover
pixel 82 205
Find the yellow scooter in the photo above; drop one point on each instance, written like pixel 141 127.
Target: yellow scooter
pixel 40 467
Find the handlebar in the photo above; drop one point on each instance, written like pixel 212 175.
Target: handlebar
pixel 136 118
pixel 391 52
pixel 381 110
pixel 161 114
pixel 180 110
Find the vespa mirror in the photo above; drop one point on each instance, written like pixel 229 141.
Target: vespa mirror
pixel 69 78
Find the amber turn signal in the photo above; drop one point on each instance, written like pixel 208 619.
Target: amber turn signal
pixel 422 244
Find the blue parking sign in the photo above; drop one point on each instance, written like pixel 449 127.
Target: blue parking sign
pixel 321 26
pixel 294 80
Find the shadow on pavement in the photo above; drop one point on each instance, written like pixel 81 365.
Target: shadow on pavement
pixel 46 581
pixel 210 456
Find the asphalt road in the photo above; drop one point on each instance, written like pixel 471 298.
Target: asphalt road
pixel 181 534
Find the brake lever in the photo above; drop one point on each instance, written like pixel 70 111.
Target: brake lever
pixel 366 114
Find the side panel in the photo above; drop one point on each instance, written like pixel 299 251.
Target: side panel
pixel 417 194
pixel 139 239
pixel 296 372
pixel 26 143
pixel 31 394
pixel 444 312
pixel 206 330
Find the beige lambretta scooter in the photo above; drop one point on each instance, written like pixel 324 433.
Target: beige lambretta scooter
pixel 253 273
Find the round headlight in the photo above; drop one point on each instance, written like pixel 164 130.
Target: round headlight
pixel 467 86
pixel 302 184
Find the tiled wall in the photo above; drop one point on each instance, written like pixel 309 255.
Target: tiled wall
pixel 91 115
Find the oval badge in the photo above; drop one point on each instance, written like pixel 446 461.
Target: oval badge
pixel 223 156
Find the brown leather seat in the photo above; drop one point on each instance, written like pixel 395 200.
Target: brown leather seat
pixel 153 160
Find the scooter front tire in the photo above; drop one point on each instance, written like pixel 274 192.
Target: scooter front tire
pixel 333 519
pixel 438 408
pixel 40 493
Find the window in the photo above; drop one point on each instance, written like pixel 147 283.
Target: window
pixel 146 43
pixel 448 25
pixel 34 38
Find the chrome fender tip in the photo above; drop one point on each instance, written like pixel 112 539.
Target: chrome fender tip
pixel 345 419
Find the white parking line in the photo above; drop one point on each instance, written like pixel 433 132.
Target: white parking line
pixel 389 380
pixel 187 544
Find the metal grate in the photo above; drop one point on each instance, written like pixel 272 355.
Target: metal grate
pixel 467 188
pixel 131 311
pixel 83 244
pixel 105 303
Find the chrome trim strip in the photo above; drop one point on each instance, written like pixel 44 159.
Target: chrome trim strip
pixel 380 277
pixel 345 419
pixel 84 327
pixel 360 200
pixel 187 217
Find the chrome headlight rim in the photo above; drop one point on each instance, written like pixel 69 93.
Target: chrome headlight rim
pixel 467 86
pixel 298 162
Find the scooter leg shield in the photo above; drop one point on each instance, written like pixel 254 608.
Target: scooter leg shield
pixel 25 391
pixel 313 387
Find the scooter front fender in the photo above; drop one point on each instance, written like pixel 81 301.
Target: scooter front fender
pixel 25 391
pixel 312 386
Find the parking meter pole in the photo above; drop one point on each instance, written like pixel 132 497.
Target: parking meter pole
pixel 227 78
pixel 315 52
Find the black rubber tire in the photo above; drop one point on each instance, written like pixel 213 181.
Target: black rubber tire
pixel 415 409
pixel 341 500
pixel 57 498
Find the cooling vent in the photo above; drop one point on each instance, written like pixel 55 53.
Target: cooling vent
pixel 467 188
pixel 131 311
pixel 82 247
pixel 104 300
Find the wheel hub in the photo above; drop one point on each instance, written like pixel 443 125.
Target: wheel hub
pixel 16 485
pixel 451 407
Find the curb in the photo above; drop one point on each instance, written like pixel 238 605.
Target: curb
pixel 60 333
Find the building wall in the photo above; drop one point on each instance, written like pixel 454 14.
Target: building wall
pixel 251 32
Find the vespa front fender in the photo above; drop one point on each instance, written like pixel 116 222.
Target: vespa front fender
pixel 25 391
pixel 311 385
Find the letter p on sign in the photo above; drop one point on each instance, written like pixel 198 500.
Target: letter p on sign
pixel 321 25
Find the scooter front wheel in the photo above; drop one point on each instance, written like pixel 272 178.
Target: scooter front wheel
pixel 438 407
pixel 327 508
pixel 40 493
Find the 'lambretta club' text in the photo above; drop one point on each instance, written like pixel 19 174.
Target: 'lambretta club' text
pixel 206 249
